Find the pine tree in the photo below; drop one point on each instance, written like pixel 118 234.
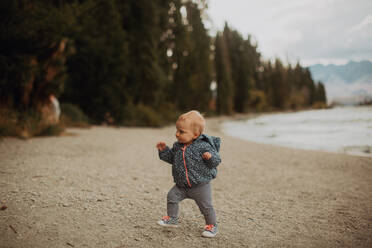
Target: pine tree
pixel 320 95
pixel 225 87
pixel 140 19
pixel 98 69
pixel 239 68
pixel 32 52
pixel 191 59
pixel 279 85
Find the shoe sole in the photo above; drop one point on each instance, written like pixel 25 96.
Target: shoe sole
pixel 166 225
pixel 208 235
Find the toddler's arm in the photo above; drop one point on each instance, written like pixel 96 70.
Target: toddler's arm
pixel 161 145
pixel 207 155
pixel 212 158
pixel 165 153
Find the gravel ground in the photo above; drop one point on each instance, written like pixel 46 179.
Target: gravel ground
pixel 106 187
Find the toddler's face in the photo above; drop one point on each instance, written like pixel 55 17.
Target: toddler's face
pixel 185 133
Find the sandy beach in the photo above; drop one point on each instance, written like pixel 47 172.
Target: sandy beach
pixel 106 187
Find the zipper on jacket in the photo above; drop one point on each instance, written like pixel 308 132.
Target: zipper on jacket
pixel 184 162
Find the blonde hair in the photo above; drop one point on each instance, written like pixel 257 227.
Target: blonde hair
pixel 196 119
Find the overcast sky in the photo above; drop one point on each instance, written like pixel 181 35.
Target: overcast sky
pixel 312 31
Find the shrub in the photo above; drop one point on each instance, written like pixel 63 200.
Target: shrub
pixel 140 115
pixel 8 122
pixel 168 113
pixel 51 130
pixel 257 100
pixel 26 124
pixel 30 123
pixel 319 105
pixel 73 116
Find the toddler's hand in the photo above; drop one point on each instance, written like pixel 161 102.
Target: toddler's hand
pixel 207 155
pixel 161 145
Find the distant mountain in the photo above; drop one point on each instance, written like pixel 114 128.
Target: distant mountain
pixel 349 84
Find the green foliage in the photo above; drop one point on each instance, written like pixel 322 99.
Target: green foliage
pixel 191 66
pixel 244 63
pixel 140 115
pixel 97 69
pixel 29 40
pixel 225 84
pixel 134 62
pixel 258 85
pixel 26 124
pixel 8 122
pixel 73 116
pixel 51 130
pixel 319 105
pixel 141 21
pixel 320 94
pixel 257 101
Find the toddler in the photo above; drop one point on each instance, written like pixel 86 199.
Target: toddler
pixel 194 158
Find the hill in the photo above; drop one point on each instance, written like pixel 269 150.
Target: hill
pixel 348 84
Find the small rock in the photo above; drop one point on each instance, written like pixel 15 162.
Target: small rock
pixel 68 243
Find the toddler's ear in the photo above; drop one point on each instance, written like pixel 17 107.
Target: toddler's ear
pixel 196 135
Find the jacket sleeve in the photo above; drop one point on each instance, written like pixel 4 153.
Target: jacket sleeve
pixel 167 154
pixel 214 160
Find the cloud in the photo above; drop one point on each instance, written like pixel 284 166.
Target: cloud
pixel 309 30
pixel 334 34
pixel 364 25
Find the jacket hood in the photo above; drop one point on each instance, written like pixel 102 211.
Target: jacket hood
pixel 215 142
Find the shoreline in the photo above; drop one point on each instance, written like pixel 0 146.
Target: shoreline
pixel 363 150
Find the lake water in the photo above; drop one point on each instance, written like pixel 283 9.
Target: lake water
pixel 344 129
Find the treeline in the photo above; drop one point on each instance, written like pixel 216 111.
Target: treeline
pixel 246 82
pixel 138 62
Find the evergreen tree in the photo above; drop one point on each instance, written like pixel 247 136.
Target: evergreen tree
pixel 310 85
pixel 265 82
pixel 191 60
pixel 98 69
pixel 239 68
pixel 280 85
pixel 244 61
pixel 32 52
pixel 141 20
pixel 129 59
pixel 225 87
pixel 320 95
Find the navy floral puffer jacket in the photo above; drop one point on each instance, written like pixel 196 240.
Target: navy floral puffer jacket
pixel 189 169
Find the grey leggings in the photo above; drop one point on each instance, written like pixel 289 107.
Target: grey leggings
pixel 202 195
